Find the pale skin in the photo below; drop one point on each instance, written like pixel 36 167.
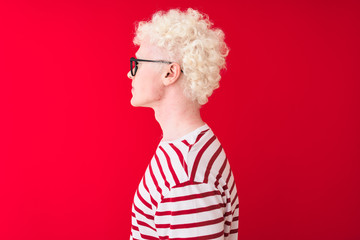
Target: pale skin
pixel 158 86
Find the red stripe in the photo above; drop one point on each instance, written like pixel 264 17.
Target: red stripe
pixel 211 162
pixel 232 187
pixel 148 205
pixel 198 157
pixel 220 172
pixel 200 135
pixel 135 228
pixel 155 181
pixel 233 201
pixel 147 237
pixel 210 236
pixel 228 178
pixel 190 211
pixel 237 206
pixel 227 213
pixel 186 143
pixel 162 172
pixel 144 224
pixel 197 139
pixel 133 237
pixel 148 216
pixel 193 196
pixel 181 158
pixel 170 166
pixel 188 183
pixel 147 189
pixel 233 231
pixel 191 225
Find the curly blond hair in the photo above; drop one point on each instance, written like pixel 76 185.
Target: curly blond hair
pixel 189 39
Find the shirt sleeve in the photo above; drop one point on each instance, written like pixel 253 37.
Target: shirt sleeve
pixel 192 211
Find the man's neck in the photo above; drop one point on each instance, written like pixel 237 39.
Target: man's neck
pixel 178 120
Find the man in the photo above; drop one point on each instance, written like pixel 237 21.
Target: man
pixel 188 190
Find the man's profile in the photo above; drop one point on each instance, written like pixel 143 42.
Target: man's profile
pixel 188 190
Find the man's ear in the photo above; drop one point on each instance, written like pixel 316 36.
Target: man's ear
pixel 172 74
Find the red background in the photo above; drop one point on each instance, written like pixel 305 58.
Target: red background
pixel 287 114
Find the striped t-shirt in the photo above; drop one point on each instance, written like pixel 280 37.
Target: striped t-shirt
pixel 187 192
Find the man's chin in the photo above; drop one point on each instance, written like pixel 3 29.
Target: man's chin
pixel 142 103
pixel 135 104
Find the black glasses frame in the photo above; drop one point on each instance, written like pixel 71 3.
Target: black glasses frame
pixel 134 63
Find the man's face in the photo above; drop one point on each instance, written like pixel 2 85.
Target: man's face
pixel 147 88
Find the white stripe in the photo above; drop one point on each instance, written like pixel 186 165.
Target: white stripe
pixel 165 167
pixel 189 218
pixel 192 232
pixel 175 161
pixel 190 204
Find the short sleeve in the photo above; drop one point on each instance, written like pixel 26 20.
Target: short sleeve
pixel 191 211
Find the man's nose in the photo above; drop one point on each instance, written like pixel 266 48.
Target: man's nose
pixel 129 75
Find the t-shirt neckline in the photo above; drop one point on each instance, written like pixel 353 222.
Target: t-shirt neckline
pixel 188 135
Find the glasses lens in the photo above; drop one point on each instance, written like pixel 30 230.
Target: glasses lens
pixel 133 66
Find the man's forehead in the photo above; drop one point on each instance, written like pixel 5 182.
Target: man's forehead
pixel 147 50
pixel 137 53
pixel 140 52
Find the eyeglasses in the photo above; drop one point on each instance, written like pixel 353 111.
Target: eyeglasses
pixel 134 64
